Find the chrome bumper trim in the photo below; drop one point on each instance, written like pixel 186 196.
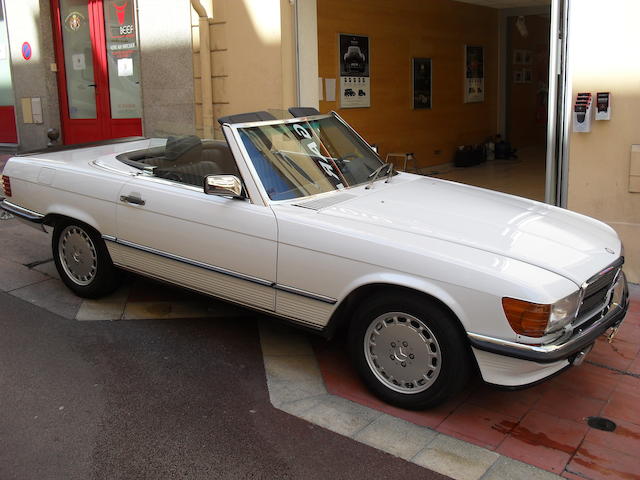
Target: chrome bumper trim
pixel 23 213
pixel 223 271
pixel 188 261
pixel 304 293
pixel 554 352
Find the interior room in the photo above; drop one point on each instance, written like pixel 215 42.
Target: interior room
pixel 461 86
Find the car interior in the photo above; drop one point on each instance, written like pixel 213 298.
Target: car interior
pixel 185 159
pixel 188 159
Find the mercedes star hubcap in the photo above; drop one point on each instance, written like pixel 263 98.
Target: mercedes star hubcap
pixel 77 255
pixel 402 352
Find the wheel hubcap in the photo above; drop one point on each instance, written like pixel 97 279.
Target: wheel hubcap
pixel 402 352
pixel 77 255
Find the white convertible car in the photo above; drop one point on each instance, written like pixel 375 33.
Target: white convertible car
pixel 299 218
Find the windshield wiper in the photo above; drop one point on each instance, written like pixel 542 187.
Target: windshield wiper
pixel 376 173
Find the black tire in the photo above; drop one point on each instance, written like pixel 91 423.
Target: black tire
pixel 446 359
pixel 93 259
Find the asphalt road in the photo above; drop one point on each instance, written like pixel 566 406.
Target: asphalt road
pixel 159 399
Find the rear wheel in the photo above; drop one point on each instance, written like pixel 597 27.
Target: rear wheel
pixel 409 350
pixel 82 260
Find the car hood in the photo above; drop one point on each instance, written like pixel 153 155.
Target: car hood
pixel 555 239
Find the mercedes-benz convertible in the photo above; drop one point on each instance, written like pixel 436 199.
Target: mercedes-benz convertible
pixel 432 281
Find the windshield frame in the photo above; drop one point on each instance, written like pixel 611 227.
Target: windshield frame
pixel 234 129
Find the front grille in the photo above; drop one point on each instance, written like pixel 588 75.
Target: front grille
pixel 597 288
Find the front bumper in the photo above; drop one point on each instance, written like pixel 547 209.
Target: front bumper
pixel 564 349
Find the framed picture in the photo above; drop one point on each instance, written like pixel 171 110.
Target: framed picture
pixel 527 57
pixel 474 74
pixel 527 75
pixel 518 57
pixel 518 76
pixel 353 60
pixel 421 77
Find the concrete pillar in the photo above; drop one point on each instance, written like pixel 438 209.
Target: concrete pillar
pixel 307 52
pixel 166 67
pixel 30 21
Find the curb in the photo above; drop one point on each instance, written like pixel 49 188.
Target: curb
pixel 296 387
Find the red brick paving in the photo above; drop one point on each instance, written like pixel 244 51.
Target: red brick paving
pixel 481 426
pixel 598 462
pixel 545 425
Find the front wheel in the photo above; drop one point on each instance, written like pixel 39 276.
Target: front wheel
pixel 82 260
pixel 409 350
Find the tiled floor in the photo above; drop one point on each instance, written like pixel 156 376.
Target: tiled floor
pixel 544 426
pixel 524 176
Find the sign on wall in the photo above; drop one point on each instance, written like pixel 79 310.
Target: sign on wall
pixel 26 51
pixel 474 74
pixel 421 82
pixel 354 71
pixel 123 58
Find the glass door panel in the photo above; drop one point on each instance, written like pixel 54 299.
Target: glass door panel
pixel 78 58
pixel 123 58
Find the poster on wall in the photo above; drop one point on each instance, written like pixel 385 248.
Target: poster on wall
pixel 354 71
pixel 123 58
pixel 474 74
pixel 421 82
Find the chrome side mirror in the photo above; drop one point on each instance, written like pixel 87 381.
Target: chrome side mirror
pixel 223 185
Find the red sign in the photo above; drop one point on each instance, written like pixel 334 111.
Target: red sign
pixel 26 51
pixel 120 11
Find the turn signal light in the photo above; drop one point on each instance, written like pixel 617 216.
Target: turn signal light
pixel 6 185
pixel 526 318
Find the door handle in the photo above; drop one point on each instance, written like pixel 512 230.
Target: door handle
pixel 132 199
pixel 92 85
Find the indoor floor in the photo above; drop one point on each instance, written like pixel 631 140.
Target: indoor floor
pixel 524 176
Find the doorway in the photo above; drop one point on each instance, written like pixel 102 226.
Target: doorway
pixel 98 61
pixel 523 109
pixel 518 161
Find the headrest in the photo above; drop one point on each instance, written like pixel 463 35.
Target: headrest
pixel 178 146
pixel 303 111
pixel 246 117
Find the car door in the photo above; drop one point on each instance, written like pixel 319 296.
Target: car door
pixel 217 245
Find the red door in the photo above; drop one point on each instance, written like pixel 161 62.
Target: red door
pixel 98 63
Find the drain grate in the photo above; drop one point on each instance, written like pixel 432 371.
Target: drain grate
pixel 601 423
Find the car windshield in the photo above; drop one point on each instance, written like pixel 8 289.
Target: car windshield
pixel 308 157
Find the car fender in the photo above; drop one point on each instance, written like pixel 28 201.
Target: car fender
pixel 75 213
pixel 419 284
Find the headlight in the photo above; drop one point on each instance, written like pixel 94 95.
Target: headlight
pixel 535 319
pixel 563 312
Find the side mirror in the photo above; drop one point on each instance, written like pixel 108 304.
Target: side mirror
pixel 223 185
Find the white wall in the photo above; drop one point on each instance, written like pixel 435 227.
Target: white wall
pixel 603 43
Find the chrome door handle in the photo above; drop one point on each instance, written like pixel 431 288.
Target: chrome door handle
pixel 132 199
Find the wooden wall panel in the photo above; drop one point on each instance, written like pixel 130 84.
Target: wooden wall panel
pixel 398 31
pixel 527 110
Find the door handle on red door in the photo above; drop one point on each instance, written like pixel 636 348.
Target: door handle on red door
pixel 132 199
